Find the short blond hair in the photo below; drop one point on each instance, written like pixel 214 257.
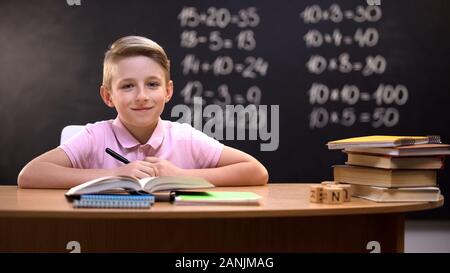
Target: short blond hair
pixel 133 46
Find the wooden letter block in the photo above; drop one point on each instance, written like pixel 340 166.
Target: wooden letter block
pixel 333 195
pixel 347 191
pixel 315 194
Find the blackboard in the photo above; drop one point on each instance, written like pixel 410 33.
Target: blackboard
pixel 323 70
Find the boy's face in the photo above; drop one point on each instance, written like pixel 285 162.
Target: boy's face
pixel 139 92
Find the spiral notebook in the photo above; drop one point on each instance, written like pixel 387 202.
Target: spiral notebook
pixel 142 201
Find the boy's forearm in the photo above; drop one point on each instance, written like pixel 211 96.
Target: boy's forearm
pixel 49 175
pixel 239 174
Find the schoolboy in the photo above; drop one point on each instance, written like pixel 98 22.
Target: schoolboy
pixel 136 82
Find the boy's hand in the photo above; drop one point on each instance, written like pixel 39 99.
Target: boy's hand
pixel 137 169
pixel 163 167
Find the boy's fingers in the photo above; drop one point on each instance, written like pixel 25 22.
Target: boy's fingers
pixel 146 163
pixel 152 159
pixel 150 170
pixel 141 174
pixel 155 171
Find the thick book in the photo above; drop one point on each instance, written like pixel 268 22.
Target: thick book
pixel 130 184
pixel 382 141
pixel 216 198
pixel 403 151
pixel 384 177
pixel 390 162
pixel 141 201
pixel 383 194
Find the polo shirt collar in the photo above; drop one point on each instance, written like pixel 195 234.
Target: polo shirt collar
pixel 127 140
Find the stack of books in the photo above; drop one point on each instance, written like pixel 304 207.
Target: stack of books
pixel 391 168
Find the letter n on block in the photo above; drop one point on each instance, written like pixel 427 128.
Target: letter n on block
pixel 333 195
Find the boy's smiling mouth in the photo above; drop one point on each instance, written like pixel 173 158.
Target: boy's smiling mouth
pixel 141 109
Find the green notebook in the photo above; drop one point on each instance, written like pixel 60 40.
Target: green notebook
pixel 216 198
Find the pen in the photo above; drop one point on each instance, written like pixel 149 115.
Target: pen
pixel 116 156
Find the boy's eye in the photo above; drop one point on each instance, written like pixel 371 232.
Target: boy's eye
pixel 126 86
pixel 153 84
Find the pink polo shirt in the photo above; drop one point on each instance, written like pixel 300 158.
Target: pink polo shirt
pixel 178 143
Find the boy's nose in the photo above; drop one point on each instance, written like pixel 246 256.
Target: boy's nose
pixel 142 94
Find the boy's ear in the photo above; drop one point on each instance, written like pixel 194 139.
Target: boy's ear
pixel 106 96
pixel 169 91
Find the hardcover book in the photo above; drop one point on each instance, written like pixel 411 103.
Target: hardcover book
pixel 382 194
pixel 413 150
pixel 382 141
pixel 390 162
pixel 384 177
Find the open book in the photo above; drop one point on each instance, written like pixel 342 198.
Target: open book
pixel 130 184
pixel 382 141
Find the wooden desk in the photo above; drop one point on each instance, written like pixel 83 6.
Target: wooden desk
pixel 43 221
